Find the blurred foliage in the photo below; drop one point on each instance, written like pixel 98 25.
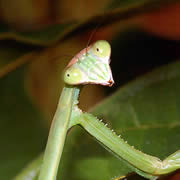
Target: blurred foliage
pixel 38 38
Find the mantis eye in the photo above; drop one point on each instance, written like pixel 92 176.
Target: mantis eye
pixel 73 76
pixel 101 49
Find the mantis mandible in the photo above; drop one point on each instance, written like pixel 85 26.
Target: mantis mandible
pixel 91 65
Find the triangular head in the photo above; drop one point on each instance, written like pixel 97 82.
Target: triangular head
pixel 91 66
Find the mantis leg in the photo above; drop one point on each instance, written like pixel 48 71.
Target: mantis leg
pixel 143 164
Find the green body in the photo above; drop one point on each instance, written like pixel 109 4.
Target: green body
pixel 68 114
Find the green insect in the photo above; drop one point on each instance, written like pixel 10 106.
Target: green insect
pixel 91 65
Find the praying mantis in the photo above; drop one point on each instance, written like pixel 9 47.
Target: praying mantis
pixel 91 66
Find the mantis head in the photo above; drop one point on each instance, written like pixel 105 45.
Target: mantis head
pixel 91 66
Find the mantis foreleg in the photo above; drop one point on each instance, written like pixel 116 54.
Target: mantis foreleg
pixel 145 165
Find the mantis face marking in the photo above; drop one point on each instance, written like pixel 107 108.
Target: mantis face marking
pixel 91 66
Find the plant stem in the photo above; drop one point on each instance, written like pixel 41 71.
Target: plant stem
pixel 58 131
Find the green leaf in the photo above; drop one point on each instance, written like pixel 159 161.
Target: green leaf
pixel 146 112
